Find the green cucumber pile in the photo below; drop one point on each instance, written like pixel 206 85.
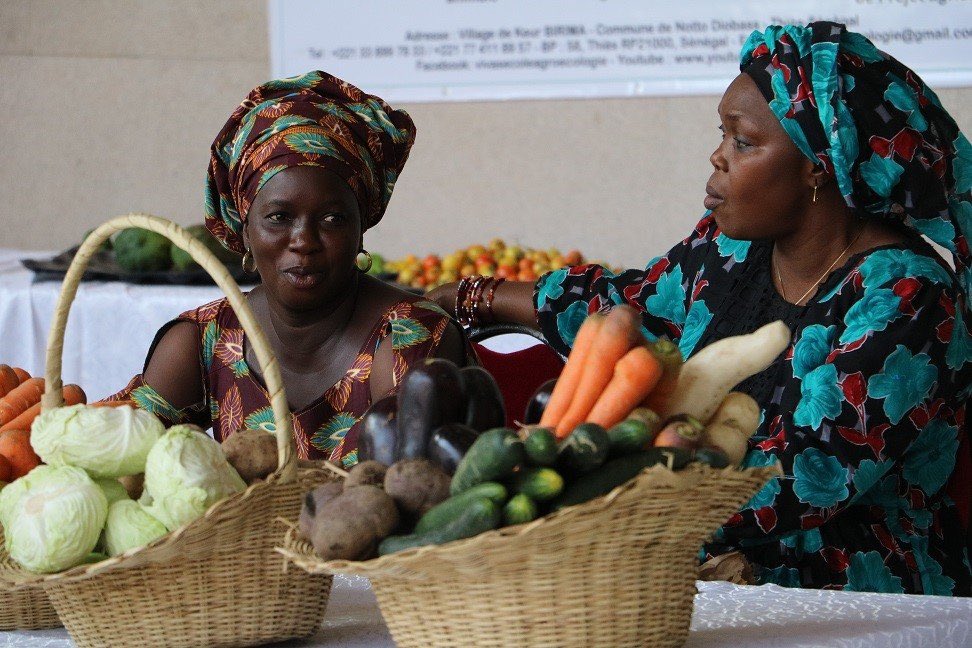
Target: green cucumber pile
pixel 508 478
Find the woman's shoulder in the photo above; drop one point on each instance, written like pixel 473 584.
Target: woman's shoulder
pixel 392 302
pixel 211 311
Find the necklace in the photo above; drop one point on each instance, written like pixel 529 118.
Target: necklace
pixel 816 283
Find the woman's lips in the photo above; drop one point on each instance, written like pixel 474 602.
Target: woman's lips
pixel 303 278
pixel 712 198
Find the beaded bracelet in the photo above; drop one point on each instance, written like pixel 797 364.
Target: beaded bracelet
pixel 489 299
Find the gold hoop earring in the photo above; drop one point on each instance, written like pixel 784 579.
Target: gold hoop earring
pixel 363 266
pixel 249 263
pixel 813 199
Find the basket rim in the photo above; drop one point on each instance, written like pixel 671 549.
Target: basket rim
pixel 315 565
pixel 14 578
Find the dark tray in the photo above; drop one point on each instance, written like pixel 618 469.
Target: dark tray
pixel 103 268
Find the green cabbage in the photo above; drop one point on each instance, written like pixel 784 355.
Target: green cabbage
pixel 105 441
pixel 113 490
pixel 129 526
pixel 52 518
pixel 186 473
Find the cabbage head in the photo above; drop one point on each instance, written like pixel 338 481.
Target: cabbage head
pixel 186 473
pixel 105 441
pixel 113 490
pixel 129 526
pixel 52 518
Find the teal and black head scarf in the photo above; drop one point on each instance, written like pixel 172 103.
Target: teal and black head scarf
pixel 314 119
pixel 870 121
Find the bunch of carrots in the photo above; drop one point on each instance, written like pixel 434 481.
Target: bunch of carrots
pixel 612 369
pixel 20 396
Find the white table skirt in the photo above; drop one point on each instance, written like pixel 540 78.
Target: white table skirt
pixel 725 616
pixel 110 328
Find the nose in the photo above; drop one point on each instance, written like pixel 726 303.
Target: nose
pixel 717 159
pixel 304 237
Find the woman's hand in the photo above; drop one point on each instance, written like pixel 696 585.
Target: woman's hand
pixel 445 296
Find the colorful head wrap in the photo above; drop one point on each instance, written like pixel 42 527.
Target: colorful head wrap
pixel 871 122
pixel 314 119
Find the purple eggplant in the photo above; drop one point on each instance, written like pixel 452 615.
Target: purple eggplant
pixel 449 444
pixel 538 402
pixel 379 431
pixel 430 396
pixel 484 402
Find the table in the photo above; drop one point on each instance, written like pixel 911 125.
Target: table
pixel 725 615
pixel 110 328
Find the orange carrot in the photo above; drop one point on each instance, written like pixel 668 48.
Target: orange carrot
pixel 22 374
pixel 635 375
pixel 618 335
pixel 671 359
pixel 15 447
pixel 73 395
pixel 20 398
pixel 570 376
pixel 8 380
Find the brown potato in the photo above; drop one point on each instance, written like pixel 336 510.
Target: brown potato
pixel 314 501
pixel 253 453
pixel 416 485
pixel 366 473
pixel 351 525
pixel 133 484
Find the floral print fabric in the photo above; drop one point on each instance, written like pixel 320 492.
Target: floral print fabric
pixel 865 410
pixel 237 399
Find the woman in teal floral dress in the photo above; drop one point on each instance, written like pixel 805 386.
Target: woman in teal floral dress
pixel 834 158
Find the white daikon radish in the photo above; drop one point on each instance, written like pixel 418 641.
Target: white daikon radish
pixel 733 423
pixel 708 376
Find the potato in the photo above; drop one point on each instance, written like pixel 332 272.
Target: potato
pixel 351 525
pixel 253 453
pixel 732 424
pixel 314 501
pixel 366 473
pixel 416 485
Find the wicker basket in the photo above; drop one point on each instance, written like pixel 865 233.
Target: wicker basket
pixel 217 580
pixel 617 571
pixel 25 608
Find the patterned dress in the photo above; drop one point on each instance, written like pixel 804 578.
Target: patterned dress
pixel 236 398
pixel 865 411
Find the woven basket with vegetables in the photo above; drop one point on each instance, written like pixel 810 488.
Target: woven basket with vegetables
pixel 191 562
pixel 581 530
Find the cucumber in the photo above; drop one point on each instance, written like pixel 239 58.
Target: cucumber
pixel 584 449
pixel 541 446
pixel 492 457
pixel 519 510
pixel 480 515
pixel 444 512
pixel 628 436
pixel 540 484
pixel 617 471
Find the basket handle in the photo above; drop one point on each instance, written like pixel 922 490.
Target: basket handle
pixel 286 452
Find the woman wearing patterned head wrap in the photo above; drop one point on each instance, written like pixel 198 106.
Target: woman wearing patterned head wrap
pixel 834 157
pixel 302 168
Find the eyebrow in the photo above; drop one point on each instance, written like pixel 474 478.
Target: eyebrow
pixel 282 203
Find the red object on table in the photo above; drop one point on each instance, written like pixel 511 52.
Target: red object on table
pixel 519 374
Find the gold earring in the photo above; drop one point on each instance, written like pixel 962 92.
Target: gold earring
pixel 249 263
pixel 363 266
pixel 813 199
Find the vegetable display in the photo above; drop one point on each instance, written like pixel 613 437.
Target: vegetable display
pixel 80 504
pixel 595 429
pixel 437 413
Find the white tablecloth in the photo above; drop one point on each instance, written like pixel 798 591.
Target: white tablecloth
pixel 110 328
pixel 725 615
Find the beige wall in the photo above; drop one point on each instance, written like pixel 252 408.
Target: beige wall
pixel 107 107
